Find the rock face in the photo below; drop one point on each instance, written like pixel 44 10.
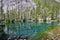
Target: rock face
pixel 15 3
pixel 58 1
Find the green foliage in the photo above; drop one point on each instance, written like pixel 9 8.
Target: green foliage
pixel 43 35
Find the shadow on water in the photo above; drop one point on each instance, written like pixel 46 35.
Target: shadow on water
pixel 3 35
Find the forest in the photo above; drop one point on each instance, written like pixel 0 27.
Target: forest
pixel 28 15
pixel 33 13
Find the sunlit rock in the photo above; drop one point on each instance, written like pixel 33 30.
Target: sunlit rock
pixel 57 1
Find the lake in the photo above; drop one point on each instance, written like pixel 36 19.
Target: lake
pixel 26 28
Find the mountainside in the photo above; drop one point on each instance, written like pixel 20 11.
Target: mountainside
pixel 22 4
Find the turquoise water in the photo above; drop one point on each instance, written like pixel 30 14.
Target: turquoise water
pixel 27 29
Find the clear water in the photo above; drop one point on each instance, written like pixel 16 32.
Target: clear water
pixel 26 29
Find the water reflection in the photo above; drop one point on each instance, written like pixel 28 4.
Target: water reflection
pixel 27 28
